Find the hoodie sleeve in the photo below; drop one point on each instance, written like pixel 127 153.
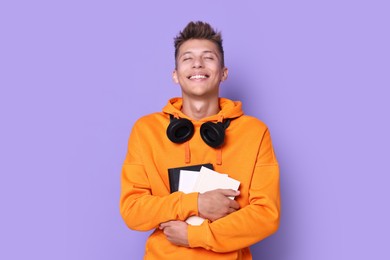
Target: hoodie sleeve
pixel 139 208
pixel 253 222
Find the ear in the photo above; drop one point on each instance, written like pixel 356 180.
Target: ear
pixel 174 77
pixel 225 73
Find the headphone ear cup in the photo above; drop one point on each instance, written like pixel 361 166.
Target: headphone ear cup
pixel 213 134
pixel 180 130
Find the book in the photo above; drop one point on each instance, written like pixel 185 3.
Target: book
pixel 174 174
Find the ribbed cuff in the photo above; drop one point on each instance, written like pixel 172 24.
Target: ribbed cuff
pixel 197 235
pixel 189 205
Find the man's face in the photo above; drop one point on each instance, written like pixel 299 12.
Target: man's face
pixel 198 69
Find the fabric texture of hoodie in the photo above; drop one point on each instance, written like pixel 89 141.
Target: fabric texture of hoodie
pixel 246 155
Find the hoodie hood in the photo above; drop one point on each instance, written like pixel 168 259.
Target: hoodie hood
pixel 228 110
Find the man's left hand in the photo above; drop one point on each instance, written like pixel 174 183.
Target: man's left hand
pixel 176 232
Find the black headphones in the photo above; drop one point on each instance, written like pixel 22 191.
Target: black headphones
pixel 181 130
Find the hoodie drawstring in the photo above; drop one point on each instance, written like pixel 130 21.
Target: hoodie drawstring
pixel 187 153
pixel 219 156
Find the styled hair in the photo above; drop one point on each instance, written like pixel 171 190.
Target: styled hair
pixel 202 31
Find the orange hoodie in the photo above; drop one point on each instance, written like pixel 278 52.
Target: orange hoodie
pixel 247 155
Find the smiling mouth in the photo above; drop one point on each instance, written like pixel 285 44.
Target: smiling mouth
pixel 198 77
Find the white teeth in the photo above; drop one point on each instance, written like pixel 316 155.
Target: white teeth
pixel 198 77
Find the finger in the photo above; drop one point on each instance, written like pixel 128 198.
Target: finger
pixel 234 205
pixel 229 192
pixel 231 210
pixel 164 225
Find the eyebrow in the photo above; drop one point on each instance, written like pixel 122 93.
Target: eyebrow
pixel 203 52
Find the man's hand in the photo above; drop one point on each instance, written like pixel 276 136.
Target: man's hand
pixel 176 232
pixel 216 204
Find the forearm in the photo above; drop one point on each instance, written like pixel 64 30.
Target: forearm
pixel 235 231
pixel 144 211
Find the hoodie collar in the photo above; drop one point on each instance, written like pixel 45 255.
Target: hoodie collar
pixel 229 109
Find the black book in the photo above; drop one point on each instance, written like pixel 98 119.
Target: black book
pixel 174 174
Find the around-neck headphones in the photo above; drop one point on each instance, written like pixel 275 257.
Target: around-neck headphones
pixel 181 130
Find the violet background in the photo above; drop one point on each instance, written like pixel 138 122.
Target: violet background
pixel 75 75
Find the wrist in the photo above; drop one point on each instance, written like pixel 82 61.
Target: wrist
pixel 200 209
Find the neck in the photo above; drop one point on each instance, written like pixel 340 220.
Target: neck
pixel 198 109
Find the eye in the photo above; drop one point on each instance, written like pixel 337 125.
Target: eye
pixel 187 58
pixel 209 58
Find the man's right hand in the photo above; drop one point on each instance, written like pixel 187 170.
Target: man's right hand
pixel 216 204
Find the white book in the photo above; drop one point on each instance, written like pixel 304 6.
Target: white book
pixel 187 180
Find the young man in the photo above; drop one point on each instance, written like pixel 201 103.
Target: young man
pixel 199 128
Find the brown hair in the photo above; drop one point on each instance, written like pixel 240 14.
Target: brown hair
pixel 199 30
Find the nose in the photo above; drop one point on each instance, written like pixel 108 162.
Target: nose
pixel 198 63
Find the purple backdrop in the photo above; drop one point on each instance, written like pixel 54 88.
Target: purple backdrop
pixel 75 75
